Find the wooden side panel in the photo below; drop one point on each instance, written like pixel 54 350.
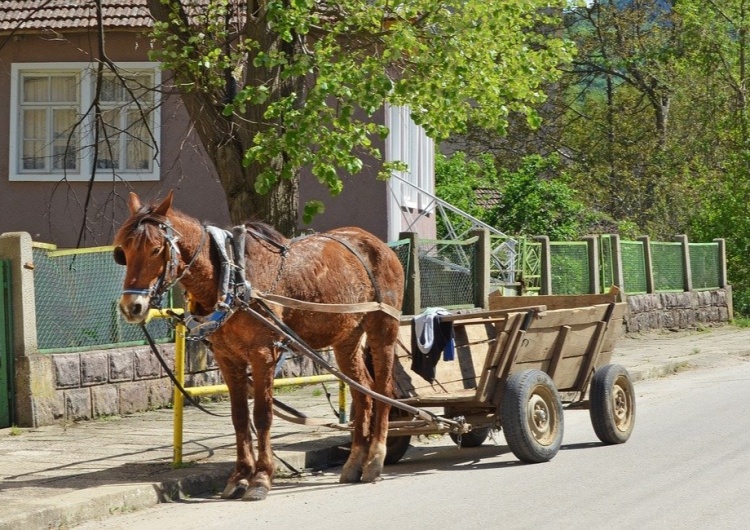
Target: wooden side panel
pixel 474 343
pixel 562 342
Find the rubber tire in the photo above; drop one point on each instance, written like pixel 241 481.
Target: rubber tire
pixel 395 446
pixel 612 404
pixel 531 395
pixel 473 438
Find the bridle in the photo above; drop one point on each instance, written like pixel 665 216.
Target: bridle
pixel 169 277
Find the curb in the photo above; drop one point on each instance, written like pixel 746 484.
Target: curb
pixel 89 504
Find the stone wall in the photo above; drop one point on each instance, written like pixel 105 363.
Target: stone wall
pixel 99 383
pixel 121 381
pixel 677 311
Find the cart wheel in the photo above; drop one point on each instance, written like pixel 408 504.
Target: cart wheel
pixel 473 438
pixel 395 446
pixel 532 416
pixel 612 404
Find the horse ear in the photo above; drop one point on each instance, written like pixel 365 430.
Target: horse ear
pixel 135 203
pixel 165 205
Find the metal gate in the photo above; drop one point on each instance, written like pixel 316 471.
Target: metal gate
pixel 6 348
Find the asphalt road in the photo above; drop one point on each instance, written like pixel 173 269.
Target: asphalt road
pixel 687 465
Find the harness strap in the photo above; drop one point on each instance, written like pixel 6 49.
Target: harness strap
pixel 351 249
pixel 293 303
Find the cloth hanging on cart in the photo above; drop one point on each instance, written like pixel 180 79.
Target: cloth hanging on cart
pixel 430 338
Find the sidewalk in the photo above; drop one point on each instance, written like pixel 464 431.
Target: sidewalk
pixel 60 476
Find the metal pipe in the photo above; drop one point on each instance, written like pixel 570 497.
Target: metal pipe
pixel 177 398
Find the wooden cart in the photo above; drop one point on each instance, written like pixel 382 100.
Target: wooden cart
pixel 514 368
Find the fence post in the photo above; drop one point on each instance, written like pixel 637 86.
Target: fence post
pixel 16 246
pixel 647 263
pixel 722 261
pixel 481 275
pixel 33 401
pixel 412 298
pixel 687 279
pixel 545 266
pixel 618 277
pixel 592 243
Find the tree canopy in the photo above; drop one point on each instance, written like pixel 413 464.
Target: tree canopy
pixel 277 85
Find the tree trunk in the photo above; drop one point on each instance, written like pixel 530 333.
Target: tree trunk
pixel 226 139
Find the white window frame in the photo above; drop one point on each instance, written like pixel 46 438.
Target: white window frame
pixel 407 142
pixel 85 72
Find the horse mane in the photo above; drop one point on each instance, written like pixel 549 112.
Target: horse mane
pixel 144 226
pixel 266 230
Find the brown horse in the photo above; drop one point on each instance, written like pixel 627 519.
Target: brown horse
pixel 161 245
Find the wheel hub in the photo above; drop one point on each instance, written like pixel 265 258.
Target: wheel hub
pixel 539 419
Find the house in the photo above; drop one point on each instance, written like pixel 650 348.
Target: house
pixel 48 58
pixel 49 55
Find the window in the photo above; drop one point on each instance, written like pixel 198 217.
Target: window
pixel 407 142
pixel 54 131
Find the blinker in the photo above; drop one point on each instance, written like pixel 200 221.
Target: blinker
pixel 119 256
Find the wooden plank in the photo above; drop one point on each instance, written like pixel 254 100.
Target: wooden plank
pixel 474 341
pixel 593 353
pixel 570 317
pixel 553 302
pixel 539 344
pixel 487 377
pixel 557 352
pixel 518 341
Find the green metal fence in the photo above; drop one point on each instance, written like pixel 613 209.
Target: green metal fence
pixel 569 262
pixel 633 267
pixel 530 253
pixel 76 294
pixel 705 263
pixel 6 347
pixel 446 270
pixel 667 266
pixel 606 262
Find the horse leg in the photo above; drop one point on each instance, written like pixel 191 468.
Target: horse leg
pixel 235 376
pixel 263 371
pixel 352 364
pixel 381 339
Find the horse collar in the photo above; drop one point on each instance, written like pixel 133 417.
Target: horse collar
pixel 233 287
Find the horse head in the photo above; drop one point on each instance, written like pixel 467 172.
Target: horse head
pixel 146 246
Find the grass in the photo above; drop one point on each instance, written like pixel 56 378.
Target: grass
pixel 15 430
pixel 741 322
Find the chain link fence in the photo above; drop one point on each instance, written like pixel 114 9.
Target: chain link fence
pixel 446 270
pixel 667 266
pixel 705 264
pixel 77 291
pixel 76 294
pixel 633 267
pixel 569 262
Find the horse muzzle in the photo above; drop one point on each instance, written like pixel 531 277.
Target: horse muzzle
pixel 134 307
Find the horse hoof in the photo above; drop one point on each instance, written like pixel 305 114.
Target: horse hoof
pixel 371 477
pixel 350 474
pixel 258 493
pixel 235 490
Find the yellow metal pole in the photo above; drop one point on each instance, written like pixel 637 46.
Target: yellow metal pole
pixel 342 402
pixel 178 399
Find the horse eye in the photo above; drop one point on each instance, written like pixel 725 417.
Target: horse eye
pixel 119 255
pixel 156 251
